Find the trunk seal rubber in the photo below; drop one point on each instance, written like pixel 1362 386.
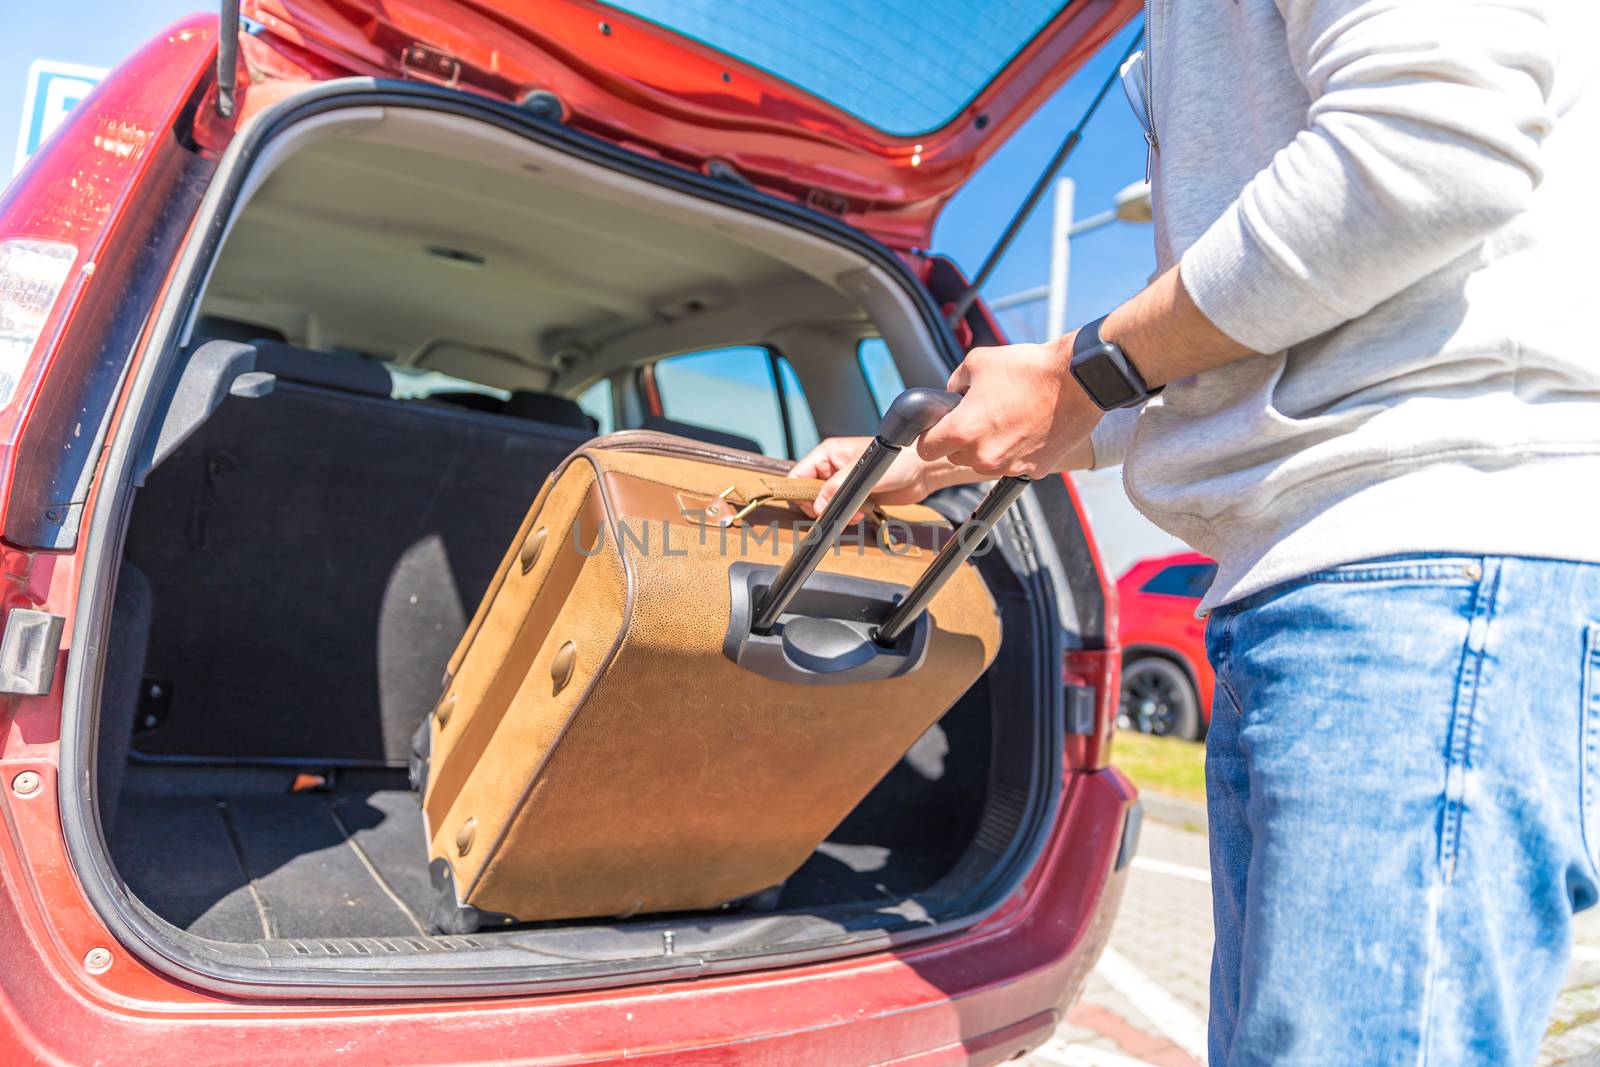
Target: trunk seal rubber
pixel 139 930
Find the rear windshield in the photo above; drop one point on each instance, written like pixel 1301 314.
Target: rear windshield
pixel 905 66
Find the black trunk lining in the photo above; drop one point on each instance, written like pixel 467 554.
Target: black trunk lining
pixel 251 865
pixel 235 855
pixel 268 928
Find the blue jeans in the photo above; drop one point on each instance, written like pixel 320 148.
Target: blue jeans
pixel 1403 776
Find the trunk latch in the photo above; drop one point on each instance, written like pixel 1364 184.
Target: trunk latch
pixel 28 651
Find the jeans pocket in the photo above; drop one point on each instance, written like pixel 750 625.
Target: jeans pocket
pixel 1589 768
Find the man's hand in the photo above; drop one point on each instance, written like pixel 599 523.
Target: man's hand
pixel 1022 412
pixel 908 480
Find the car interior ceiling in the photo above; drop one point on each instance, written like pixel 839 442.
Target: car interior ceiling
pixel 297 573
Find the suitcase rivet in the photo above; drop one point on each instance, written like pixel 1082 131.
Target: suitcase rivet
pixel 464 836
pixel 561 666
pixel 442 712
pixel 532 547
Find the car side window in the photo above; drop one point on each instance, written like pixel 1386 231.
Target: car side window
pixel 1181 579
pixel 877 366
pixel 596 403
pixel 746 389
pixel 803 436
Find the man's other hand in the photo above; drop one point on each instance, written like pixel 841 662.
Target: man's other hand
pixel 909 479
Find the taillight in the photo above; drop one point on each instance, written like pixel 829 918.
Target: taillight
pixel 32 275
pixel 88 234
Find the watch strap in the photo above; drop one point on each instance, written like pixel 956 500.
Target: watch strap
pixel 1087 341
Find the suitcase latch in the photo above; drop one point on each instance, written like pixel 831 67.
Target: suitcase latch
pixel 728 501
pixel 725 509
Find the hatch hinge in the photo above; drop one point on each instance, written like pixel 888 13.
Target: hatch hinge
pixel 723 171
pixel 28 651
pixel 542 103
pixel 429 64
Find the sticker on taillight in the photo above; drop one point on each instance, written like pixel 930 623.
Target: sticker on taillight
pixel 32 274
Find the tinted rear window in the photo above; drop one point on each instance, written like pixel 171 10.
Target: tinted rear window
pixel 1182 579
pixel 905 66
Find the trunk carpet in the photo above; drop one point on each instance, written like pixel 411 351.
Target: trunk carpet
pixel 245 866
pixel 233 855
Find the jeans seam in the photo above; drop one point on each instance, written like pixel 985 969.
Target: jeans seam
pixel 1463 721
pixel 1589 746
pixel 1221 671
pixel 1458 760
pixel 1441 571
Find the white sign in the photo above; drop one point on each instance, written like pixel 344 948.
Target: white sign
pixel 53 90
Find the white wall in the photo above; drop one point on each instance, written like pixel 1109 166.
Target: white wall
pixel 1123 535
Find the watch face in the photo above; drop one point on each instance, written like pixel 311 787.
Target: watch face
pixel 1102 378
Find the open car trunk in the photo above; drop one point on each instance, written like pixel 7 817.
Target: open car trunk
pixel 430 281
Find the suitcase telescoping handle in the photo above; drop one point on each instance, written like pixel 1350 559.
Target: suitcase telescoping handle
pixel 913 413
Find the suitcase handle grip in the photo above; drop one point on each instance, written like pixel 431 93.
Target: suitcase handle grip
pixel 913 413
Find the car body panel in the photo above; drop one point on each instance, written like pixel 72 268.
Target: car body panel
pixel 981 994
pixel 997 988
pixel 672 96
pixel 1166 625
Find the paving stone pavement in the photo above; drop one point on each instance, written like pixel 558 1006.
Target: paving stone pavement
pixel 1146 1002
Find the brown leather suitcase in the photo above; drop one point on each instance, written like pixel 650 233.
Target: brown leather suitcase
pixel 646 714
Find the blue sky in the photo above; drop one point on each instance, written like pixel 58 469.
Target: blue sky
pixel 1108 265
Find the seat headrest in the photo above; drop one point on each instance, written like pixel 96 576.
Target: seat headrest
pixel 702 433
pixel 351 374
pixel 471 401
pixel 547 407
pixel 217 328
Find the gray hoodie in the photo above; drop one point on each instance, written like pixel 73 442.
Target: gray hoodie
pixel 1399 202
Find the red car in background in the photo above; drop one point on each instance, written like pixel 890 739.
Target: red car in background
pixel 241 290
pixel 1166 679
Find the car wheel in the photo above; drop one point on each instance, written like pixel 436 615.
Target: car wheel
pixel 1158 698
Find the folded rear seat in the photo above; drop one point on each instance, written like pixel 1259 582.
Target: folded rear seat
pixel 313 557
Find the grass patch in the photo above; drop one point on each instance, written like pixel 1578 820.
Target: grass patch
pixel 1162 764
pixel 1583 1018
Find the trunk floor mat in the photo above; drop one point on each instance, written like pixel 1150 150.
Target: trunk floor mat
pixel 253 863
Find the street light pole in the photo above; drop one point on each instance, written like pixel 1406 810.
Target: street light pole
pixel 1060 257
pixel 1132 204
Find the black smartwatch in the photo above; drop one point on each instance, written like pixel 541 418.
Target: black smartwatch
pixel 1105 372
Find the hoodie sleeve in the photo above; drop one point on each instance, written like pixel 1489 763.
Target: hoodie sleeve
pixel 1422 138
pixel 1111 437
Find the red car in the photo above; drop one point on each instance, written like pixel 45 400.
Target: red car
pixel 293 323
pixel 1166 679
